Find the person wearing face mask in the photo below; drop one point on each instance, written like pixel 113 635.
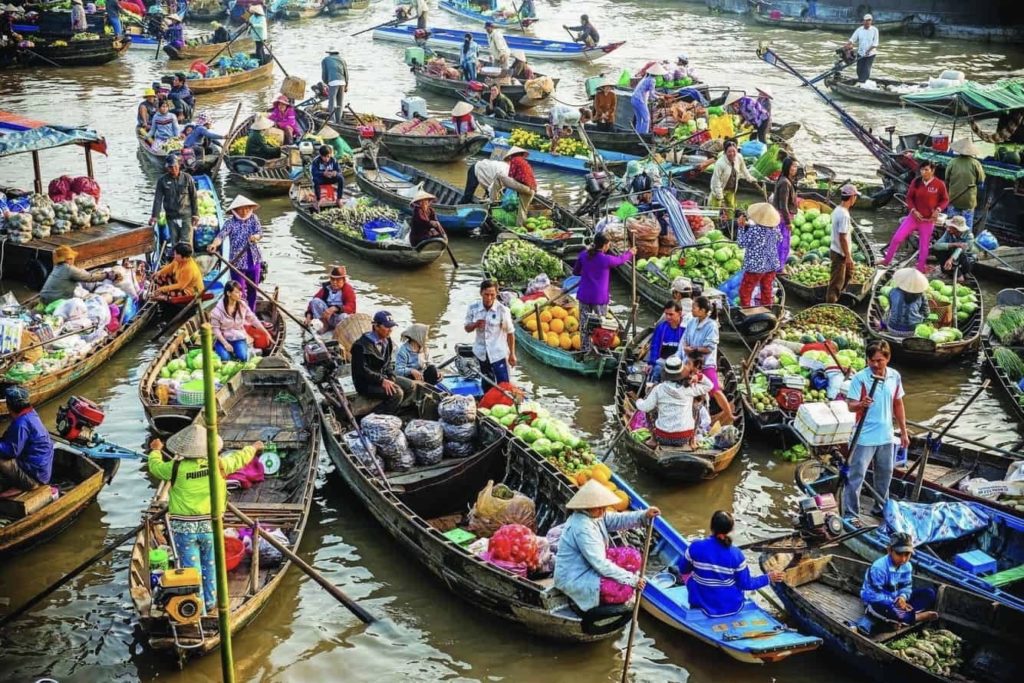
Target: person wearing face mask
pixel 926 198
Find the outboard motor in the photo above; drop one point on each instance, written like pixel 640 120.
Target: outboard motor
pixel 77 419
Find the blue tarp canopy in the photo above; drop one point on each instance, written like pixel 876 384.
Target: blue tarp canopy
pixel 19 135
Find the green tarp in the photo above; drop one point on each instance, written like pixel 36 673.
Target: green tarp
pixel 974 98
pixel 995 169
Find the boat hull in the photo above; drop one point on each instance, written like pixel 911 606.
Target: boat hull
pixel 532 47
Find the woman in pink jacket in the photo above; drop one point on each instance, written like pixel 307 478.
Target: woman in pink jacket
pixel 282 113
pixel 235 326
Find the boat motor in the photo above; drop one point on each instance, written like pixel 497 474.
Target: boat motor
pixel 77 419
pixel 602 331
pixel 178 595
pixel 321 360
pixel 819 516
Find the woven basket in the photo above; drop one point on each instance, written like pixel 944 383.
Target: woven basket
pixel 349 330
pixel 944 311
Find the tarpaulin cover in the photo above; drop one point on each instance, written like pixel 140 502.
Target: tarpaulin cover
pixel 931 522
pixel 977 98
pixel 19 135
pixel 992 168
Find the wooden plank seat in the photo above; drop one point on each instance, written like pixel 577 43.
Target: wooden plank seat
pixel 18 504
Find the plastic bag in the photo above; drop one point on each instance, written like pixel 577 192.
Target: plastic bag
pixel 397 455
pixel 987 240
pixel 615 593
pixel 424 434
pixel 457 410
pixel 498 505
pixel 359 450
pixel 428 456
pixel 85 185
pixel 459 449
pixel 514 543
pixel 385 432
pixel 464 433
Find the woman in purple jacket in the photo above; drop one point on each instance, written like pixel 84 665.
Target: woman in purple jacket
pixel 594 267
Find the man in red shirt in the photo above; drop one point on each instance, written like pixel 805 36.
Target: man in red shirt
pixel 926 198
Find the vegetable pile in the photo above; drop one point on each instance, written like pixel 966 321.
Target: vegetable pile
pixel 713 260
pixel 528 140
pixel 793 454
pixel 1007 324
pixel 936 650
pixel 226 66
pixel 940 294
pixel 351 219
pixel 515 262
pixel 1010 362
pixel 208 226
pixel 816 273
pixel 514 543
pixel 810 240
pixel 189 366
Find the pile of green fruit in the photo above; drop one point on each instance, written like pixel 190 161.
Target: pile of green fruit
pixel 190 366
pixel 515 262
pixel 816 273
pixel 714 260
pixel 351 219
pixel 825 322
pixel 793 454
pixel 549 437
pixel 941 293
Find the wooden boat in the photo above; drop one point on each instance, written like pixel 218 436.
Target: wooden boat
pixel 76 53
pixel 752 635
pixel 595 365
pixel 336 7
pixel 618 140
pixel 428 148
pixel 950 463
pixel 48 385
pixel 466 10
pixel 157 158
pixel 565 244
pixel 576 165
pixel 532 47
pixel 1001 537
pixel 172 417
pixel 35 516
pixel 855 292
pixel 822 594
pixel 395 253
pixel 454 88
pixel 833 25
pixel 286 10
pixel 1007 269
pixel 776 420
pixel 675 464
pixel 885 94
pixel 418 507
pixel 253 410
pixel 395 183
pixel 205 85
pixel 749 324
pixel 1010 391
pixel 246 169
pixel 212 12
pixel 920 350
pixel 204 48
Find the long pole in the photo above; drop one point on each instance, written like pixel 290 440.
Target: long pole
pixel 273 300
pixel 227 658
pixel 636 604
pixel 972 442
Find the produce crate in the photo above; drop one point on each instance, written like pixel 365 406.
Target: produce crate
pixel 976 562
pixel 824 424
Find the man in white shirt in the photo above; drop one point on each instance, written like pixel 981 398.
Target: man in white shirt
pixel 495 342
pixel 865 38
pixel 841 249
pixel 496 45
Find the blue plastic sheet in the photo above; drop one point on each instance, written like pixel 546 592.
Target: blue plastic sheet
pixel 931 522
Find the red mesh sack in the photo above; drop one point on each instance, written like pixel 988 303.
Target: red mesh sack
pixel 85 185
pixel 59 189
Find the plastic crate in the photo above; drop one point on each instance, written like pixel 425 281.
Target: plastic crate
pixel 976 562
pixel 460 536
pixel 461 386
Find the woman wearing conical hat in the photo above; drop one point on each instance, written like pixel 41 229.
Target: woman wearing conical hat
pixel 424 223
pixel 243 232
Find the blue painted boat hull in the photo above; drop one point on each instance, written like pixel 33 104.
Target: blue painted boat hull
pixel 533 47
pixel 462 10
pixel 213 287
pixel 752 635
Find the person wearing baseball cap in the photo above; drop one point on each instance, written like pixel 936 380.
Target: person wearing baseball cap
pixel 865 39
pixel 888 591
pixel 841 250
pixel 373 367
pixel 26 451
pixel 176 197
pixel 956 246
pixel 333 302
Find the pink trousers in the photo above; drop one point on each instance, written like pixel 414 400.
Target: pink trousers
pixel 909 226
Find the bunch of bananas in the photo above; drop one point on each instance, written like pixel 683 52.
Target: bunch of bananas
pixel 525 139
pixel 570 147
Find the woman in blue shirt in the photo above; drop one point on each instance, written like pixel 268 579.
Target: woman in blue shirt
pixel 701 335
pixel 908 307
pixel 641 97
pixel 718 571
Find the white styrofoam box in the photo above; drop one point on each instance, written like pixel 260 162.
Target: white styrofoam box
pixel 825 424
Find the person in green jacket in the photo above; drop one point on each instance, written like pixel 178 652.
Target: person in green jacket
pixel 256 144
pixel 189 504
pixel 332 139
pixel 964 176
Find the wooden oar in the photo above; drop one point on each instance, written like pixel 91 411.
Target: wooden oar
pixel 39 56
pixel 996 257
pixel 875 379
pixel 518 17
pixel 973 442
pixel 228 44
pixel 301 323
pixel 224 147
pixel 636 604
pixel 391 22
pixel 354 607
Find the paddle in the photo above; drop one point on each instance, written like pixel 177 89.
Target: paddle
pixel 228 44
pixel 352 606
pixel 391 22
pixel 973 442
pixel 996 257
pixel 875 379
pixel 45 342
pixel 39 56
pixel 922 462
pixel 223 147
pixel 276 60
pixel 518 17
pixel 100 554
pixel 636 603
pixel 301 323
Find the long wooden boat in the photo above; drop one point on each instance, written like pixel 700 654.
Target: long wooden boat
pixel 775 420
pixel 822 594
pixel 428 148
pixel 213 12
pixel 532 47
pixel 396 253
pixel 675 464
pixel 833 25
pixel 566 244
pixel 454 88
pixel 48 385
pixel 749 324
pixel 205 85
pixel 752 635
pixel 204 48
pixel 1009 390
pixel 75 53
pixel 950 463
pixel 167 418
pixel 395 183
pixel 290 12
pixel 466 10
pixel 246 170
pixel 157 158
pixel 619 140
pixel 336 7
pixel 588 365
pixel 418 507
pixel 1004 265
pixel 1002 538
pixel 35 516
pixel 884 94
pixel 253 410
pixel 576 165
pixel 920 350
pixel 855 292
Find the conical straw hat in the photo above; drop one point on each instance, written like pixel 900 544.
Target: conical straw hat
pixel 190 442
pixel 591 495
pixel 910 280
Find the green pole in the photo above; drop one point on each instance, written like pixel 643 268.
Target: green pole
pixel 227 660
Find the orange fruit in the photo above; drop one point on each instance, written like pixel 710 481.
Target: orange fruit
pixel 616 342
pixel 577 343
pixel 558 312
pixel 551 339
pixel 545 316
pixel 565 341
pixel 530 324
pixel 600 475
pixel 572 324
pixel 545 327
pixel 582 478
pixel 623 503
pixel 601 467
pixel 557 326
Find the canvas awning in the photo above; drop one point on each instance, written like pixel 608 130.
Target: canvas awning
pixel 19 135
pixel 972 100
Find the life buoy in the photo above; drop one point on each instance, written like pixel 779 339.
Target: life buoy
pixel 927 29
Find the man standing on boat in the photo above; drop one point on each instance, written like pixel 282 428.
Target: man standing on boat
pixel 258 31
pixel 495 342
pixel 334 72
pixel 964 176
pixel 176 196
pixel 841 249
pixel 496 45
pixel 865 39
pixel 587 35
pixel 26 451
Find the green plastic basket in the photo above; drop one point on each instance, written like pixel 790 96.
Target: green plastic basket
pixel 460 536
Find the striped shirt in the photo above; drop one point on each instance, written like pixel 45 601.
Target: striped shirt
pixel 718 577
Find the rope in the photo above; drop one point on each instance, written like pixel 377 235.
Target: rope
pixel 1002 134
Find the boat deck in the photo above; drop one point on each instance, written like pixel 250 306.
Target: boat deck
pixel 845 608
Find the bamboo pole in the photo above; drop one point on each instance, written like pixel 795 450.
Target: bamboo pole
pixel 227 660
pixel 637 599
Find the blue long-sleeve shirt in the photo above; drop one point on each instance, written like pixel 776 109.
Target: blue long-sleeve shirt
pixel 182 93
pixel 885 582
pixel 200 133
pixel 905 313
pixel 28 443
pixel 719 576
pixel 318 167
pixel 664 334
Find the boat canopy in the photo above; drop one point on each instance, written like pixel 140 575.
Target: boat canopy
pixel 998 169
pixel 970 99
pixel 19 135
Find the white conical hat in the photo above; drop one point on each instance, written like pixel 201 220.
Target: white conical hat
pixel 591 495
pixel 327 133
pixel 462 108
pixel 910 280
pixel 764 214
pixel 656 69
pixel 261 123
pixel 241 201
pixel 420 196
pixel 190 442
